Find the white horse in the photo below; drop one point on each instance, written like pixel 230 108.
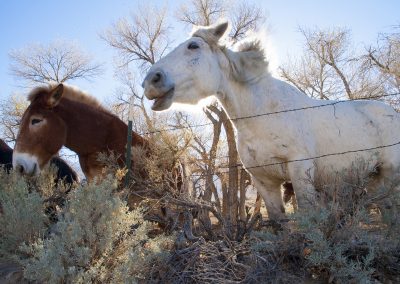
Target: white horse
pixel 281 146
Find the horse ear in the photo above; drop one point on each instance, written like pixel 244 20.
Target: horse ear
pixel 220 29
pixel 55 95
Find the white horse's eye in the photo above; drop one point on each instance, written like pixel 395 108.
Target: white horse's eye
pixel 193 45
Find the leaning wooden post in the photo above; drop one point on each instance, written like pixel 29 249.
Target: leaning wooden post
pixel 129 144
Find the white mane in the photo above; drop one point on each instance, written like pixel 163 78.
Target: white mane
pixel 248 60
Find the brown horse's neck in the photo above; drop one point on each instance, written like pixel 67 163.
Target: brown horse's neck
pixel 91 130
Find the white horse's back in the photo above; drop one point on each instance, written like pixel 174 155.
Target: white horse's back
pixel 355 127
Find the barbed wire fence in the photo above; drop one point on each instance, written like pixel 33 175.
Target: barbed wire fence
pixel 333 103
pixel 224 169
pixel 270 113
pixel 217 170
pixel 308 158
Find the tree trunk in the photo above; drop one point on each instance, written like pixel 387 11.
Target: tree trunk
pixel 204 213
pixel 244 178
pixel 225 201
pixel 187 187
pixel 257 206
pixel 233 186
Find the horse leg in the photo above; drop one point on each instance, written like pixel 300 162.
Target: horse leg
pixel 378 186
pixel 271 193
pixel 91 167
pixel 288 194
pixel 302 175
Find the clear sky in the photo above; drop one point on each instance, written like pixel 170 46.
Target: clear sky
pixel 25 21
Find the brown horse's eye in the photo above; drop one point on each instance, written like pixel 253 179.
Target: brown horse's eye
pixel 35 121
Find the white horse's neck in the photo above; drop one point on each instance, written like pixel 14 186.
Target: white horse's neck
pixel 264 95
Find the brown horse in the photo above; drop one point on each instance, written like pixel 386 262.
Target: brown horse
pixel 61 115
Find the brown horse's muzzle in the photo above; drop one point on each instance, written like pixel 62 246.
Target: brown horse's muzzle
pixel 25 163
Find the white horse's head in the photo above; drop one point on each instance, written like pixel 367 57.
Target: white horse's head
pixel 197 68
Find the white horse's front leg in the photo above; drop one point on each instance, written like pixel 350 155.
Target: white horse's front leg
pixel 302 175
pixel 271 193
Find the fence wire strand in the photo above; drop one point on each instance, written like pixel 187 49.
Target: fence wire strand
pixel 270 113
pixel 307 159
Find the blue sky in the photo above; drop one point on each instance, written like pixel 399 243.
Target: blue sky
pixel 42 21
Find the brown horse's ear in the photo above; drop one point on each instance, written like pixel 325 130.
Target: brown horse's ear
pixel 55 95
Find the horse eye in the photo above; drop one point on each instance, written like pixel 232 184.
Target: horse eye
pixel 35 121
pixel 193 45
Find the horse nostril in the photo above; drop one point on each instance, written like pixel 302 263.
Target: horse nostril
pixel 156 78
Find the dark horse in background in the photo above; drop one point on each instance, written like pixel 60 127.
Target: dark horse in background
pixel 64 172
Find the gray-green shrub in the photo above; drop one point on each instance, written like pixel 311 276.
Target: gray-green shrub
pixel 96 240
pixel 344 237
pixel 22 218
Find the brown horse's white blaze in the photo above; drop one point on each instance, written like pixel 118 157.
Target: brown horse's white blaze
pixel 41 134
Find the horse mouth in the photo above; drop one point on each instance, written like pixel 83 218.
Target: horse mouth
pixel 164 101
pixel 25 164
pixel 35 170
pixel 32 172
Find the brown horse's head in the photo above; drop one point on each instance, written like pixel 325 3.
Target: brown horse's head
pixel 42 132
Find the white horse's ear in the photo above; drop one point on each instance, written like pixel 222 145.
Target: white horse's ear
pixel 211 34
pixel 220 29
pixel 55 95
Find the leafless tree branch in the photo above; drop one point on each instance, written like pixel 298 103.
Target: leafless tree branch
pixel 142 39
pixel 59 61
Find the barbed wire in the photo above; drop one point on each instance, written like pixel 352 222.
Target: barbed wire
pixel 270 113
pixel 290 161
pixel 280 112
pixel 215 175
pixel 304 159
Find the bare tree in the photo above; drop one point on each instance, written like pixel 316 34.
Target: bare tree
pixel 11 111
pixel 207 165
pixel 385 58
pixel 329 67
pixel 142 39
pixel 311 76
pixel 201 12
pixel 59 61
pixel 244 17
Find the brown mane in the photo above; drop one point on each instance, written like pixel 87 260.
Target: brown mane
pixel 70 92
